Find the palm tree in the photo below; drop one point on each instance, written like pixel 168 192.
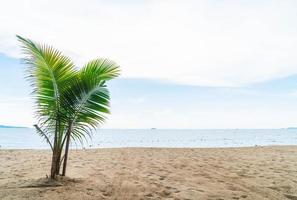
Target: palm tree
pixel 69 103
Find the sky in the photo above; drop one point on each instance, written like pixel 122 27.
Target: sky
pixel 185 64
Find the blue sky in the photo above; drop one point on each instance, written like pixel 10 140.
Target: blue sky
pixel 145 103
pixel 185 64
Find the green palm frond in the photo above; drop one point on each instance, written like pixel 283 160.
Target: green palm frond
pixel 101 69
pixel 44 134
pixel 88 96
pixel 49 73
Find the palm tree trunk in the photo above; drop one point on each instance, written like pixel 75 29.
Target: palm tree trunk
pixel 54 161
pixel 55 154
pixel 67 148
pixel 58 161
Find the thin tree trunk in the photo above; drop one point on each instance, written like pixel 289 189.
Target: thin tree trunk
pixel 58 162
pixel 67 148
pixel 54 156
pixel 54 163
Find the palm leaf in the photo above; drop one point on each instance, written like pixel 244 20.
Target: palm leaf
pixel 43 134
pixel 88 97
pixel 49 72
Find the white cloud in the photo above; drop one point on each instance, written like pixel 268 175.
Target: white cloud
pixel 213 43
pixel 17 112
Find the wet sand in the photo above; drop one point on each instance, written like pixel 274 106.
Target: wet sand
pixel 154 173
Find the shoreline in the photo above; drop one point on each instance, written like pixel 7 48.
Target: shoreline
pixel 265 172
pixel 98 148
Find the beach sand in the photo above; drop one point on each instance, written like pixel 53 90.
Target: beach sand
pixel 154 173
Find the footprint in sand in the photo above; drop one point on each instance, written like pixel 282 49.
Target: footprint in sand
pixel 149 195
pixel 165 193
pixel 292 197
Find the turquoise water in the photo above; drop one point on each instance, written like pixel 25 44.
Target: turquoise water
pixel 26 138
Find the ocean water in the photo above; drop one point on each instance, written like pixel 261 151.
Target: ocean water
pixel 26 138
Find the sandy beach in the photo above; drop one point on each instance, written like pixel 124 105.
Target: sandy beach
pixel 154 173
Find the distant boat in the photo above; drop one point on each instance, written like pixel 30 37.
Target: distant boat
pixel 153 128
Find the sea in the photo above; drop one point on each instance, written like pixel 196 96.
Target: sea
pixel 27 138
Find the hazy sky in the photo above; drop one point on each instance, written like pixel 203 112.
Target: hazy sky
pixel 185 64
